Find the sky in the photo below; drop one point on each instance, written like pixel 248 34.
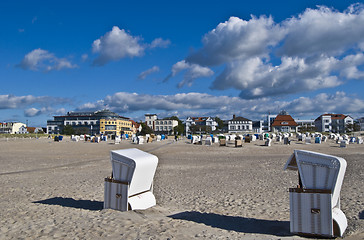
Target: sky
pixel 185 58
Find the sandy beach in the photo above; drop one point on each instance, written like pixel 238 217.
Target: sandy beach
pixel 55 190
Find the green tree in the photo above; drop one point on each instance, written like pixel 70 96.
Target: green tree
pixel 200 129
pixel 219 122
pixel 145 129
pixel 180 128
pixel 68 130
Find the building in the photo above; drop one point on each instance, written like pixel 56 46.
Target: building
pixel 305 125
pixel 284 123
pixel 204 122
pixel 12 127
pixel 165 126
pixel 82 122
pixel 336 123
pixel 267 124
pixel 258 126
pixel 115 126
pixel 240 125
pixel 150 120
pixel 361 123
pixel 135 127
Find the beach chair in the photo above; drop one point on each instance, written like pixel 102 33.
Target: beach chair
pixel 318 140
pixel 238 142
pixel 359 140
pixel 117 140
pixel 286 141
pixel 131 185
pixel 344 143
pixel 308 140
pixel 222 142
pixel 268 142
pixel 208 141
pixel 315 203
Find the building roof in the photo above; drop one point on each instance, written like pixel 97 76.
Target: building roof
pixel 284 120
pixel 31 129
pixel 333 116
pixel 199 119
pixel 134 123
pixel 240 119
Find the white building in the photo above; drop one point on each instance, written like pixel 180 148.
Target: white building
pixel 307 124
pixel 335 123
pixel 200 121
pixel 240 125
pixel 150 120
pixel 361 123
pixel 164 125
pixel 11 127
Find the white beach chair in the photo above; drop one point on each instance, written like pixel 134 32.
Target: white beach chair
pixel 308 140
pixel 208 141
pixel 359 140
pixel 286 141
pixel 131 186
pixel 315 203
pixel 117 140
pixel 140 140
pixel 268 142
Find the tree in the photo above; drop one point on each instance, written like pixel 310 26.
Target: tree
pixel 82 130
pixel 200 129
pixel 219 122
pixel 68 130
pixel 145 129
pixel 180 128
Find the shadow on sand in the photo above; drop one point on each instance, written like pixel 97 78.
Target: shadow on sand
pixel 361 215
pixel 70 202
pixel 238 224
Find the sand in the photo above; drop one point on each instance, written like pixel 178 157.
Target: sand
pixel 54 190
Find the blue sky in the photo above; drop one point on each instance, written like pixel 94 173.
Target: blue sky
pixel 205 58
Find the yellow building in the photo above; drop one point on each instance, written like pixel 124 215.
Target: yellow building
pixel 115 126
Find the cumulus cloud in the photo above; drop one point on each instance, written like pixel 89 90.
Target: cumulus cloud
pixel 237 39
pixel 192 72
pixel 118 44
pixel 144 74
pixel 323 31
pixel 40 59
pixel 320 48
pixel 160 43
pixel 32 105
pixel 185 104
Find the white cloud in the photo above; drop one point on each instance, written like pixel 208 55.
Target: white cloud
pixel 237 39
pixel 84 57
pixel 160 43
pixel 323 30
pixel 193 71
pixel 118 44
pixel 115 45
pixel 40 59
pixel 187 104
pixel 19 102
pixel 320 48
pixel 144 74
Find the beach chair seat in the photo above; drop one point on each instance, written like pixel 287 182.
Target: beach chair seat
pixel 238 143
pixel 315 203
pixel 131 184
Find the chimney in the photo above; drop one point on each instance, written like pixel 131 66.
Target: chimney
pixel 233 116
